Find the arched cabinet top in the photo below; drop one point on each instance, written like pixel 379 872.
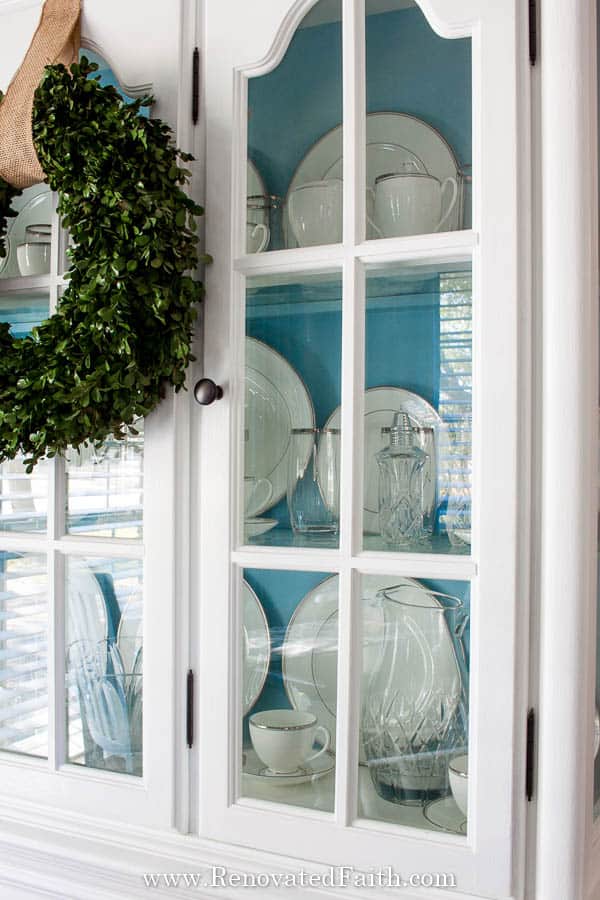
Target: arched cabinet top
pixel 263 32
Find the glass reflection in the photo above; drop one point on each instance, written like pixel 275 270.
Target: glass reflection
pixel 414 702
pixel 418 404
pixel 292 410
pixel 23 496
pixel 294 169
pixel 289 678
pixel 418 124
pixel 24 653
pixel 105 487
pixel 28 235
pixel 104 640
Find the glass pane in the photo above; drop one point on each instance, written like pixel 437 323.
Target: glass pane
pixel 292 418
pixel 294 169
pixel 417 477
pixel 24 653
pixel 414 702
pixel 105 488
pixel 23 497
pixel 289 686
pixel 28 235
pixel 104 640
pixel 418 124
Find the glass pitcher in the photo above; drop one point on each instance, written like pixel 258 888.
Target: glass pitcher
pixel 414 706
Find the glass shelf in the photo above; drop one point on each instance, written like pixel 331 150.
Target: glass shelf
pixel 280 536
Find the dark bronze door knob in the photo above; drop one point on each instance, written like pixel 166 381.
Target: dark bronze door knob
pixel 206 391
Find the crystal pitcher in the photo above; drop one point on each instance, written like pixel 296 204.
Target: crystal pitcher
pixel 414 707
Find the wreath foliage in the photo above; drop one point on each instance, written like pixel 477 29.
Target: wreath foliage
pixel 124 323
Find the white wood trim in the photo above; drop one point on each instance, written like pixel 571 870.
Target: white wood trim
pixel 570 329
pixel 450 246
pixel 78 856
pixel 73 545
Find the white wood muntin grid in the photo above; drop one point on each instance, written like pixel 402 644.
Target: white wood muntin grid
pixel 484 861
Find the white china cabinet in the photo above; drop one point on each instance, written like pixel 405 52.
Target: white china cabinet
pixel 336 619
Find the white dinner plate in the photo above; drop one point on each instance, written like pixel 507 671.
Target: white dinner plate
pixel 256 643
pixel 391 138
pixel 310 650
pixel 34 207
pixel 381 403
pixel 256 648
pixel 276 401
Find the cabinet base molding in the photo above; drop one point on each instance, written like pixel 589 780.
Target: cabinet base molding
pixel 52 854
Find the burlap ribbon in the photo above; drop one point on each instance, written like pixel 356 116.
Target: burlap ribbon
pixel 56 40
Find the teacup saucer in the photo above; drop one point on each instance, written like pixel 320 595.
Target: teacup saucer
pixel 445 814
pixel 254 768
pixel 257 525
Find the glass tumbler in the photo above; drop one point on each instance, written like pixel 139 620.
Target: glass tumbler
pixel 313 492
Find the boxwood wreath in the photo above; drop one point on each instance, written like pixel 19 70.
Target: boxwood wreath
pixel 123 327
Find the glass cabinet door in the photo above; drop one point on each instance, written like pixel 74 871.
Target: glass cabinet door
pixel 362 321
pixel 86 566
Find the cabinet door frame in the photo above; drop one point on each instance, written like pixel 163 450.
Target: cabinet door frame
pixel 567 849
pixel 252 45
pixel 157 62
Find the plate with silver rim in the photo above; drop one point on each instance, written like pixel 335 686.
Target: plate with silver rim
pixel 256 648
pixel 393 139
pixel 255 770
pixel 276 400
pixel 310 649
pixel 381 404
pixel 445 814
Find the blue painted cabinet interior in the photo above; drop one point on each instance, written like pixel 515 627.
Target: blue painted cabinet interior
pixel 409 69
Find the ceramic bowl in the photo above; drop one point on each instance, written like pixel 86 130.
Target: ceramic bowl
pixel 33 258
pixel 458 771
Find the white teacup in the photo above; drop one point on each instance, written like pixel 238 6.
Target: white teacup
pixel 257 237
pixel 33 258
pixel 257 493
pixel 458 772
pixel 284 739
pixel 315 212
pixel 411 203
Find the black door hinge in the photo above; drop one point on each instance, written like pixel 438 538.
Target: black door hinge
pixel 189 710
pixel 195 85
pixel 530 759
pixel 533 32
